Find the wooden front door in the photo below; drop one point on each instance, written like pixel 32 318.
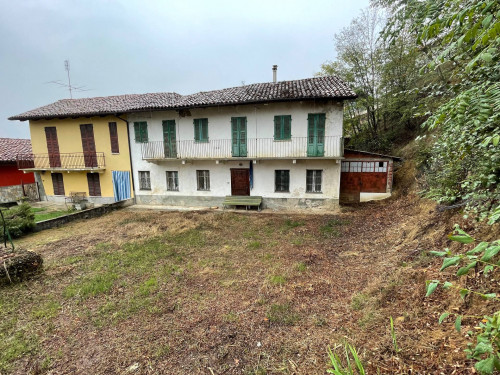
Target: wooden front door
pixel 240 182
pixel 53 147
pixel 239 136
pixel 316 134
pixel 88 145
pixel 169 139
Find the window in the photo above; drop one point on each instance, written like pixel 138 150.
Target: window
pixel 368 166
pixel 200 129
pixel 141 131
pixel 58 183
pixel 282 127
pixel 381 166
pixel 282 180
pixel 313 181
pixel 144 180
pixel 113 136
pixel 345 166
pixel 94 184
pixel 203 179
pixel 355 166
pixel 172 181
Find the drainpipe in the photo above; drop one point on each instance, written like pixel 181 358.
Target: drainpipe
pixel 129 154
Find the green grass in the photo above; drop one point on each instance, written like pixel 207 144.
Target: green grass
pixel 301 267
pixel 277 280
pixel 290 224
pixel 41 216
pixel 330 229
pixel 282 314
pixel 254 245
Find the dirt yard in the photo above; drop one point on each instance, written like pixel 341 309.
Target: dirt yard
pixel 155 292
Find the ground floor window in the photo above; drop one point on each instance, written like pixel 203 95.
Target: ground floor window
pixel 365 166
pixel 144 180
pixel 313 181
pixel 94 184
pixel 172 181
pixel 58 183
pixel 203 180
pixel 282 180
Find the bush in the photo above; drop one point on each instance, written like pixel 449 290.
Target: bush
pixel 19 220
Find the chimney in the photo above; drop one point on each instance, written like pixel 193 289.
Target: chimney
pixel 275 72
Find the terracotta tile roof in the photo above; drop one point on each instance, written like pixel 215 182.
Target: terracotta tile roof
pixel 10 147
pixel 329 87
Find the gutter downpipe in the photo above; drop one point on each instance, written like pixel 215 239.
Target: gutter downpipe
pixel 129 155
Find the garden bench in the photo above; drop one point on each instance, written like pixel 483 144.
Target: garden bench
pixel 242 200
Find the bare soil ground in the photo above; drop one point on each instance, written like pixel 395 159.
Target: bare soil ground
pixel 237 293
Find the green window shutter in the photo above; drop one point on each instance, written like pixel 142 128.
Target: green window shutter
pixel 204 130
pixel 137 131
pixel 277 127
pixel 287 127
pixel 144 132
pixel 196 130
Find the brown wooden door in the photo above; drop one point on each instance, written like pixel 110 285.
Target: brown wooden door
pixel 240 182
pixel 52 147
pixel 58 183
pixel 88 145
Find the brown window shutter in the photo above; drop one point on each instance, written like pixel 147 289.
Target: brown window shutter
pixel 94 184
pixel 113 135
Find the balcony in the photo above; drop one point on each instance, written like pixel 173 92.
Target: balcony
pixel 260 148
pixel 67 162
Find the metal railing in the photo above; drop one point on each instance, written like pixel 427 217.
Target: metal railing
pixel 252 148
pixel 65 161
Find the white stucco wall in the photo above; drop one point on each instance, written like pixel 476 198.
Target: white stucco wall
pixel 260 124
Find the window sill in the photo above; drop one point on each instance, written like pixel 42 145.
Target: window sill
pixel 282 140
pixel 202 190
pixel 282 191
pixel 115 153
pixel 144 189
pixel 314 192
pixel 173 191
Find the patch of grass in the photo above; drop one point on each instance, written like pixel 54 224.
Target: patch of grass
pixel 254 245
pixel 162 351
pixel 290 224
pixel 91 286
pixel 282 314
pixel 301 267
pixel 49 215
pixel 231 317
pixel 359 301
pixel 37 209
pixel 47 310
pixel 330 228
pixel 14 345
pixel 320 321
pixel 277 280
pixel 148 287
pixel 297 241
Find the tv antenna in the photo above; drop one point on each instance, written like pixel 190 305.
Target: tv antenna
pixel 68 85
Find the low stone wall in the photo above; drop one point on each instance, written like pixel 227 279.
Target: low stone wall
pixel 84 214
pixel 10 193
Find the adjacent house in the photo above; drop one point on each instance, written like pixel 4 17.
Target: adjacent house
pixel 281 141
pixel 14 183
pixel 78 152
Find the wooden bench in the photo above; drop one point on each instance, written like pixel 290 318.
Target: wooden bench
pixel 76 196
pixel 242 200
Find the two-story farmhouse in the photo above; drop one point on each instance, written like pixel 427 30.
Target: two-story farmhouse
pixel 279 140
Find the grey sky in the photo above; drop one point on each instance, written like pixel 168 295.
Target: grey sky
pixel 127 47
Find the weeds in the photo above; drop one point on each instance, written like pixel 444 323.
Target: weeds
pixel 349 368
pixel 282 314
pixel 393 336
pixel 277 280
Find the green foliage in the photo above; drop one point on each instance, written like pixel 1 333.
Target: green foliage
pixel 19 220
pixel 347 366
pixel 282 314
pixel 485 256
pixel 393 336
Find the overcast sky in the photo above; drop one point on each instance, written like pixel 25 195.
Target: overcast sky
pixel 130 47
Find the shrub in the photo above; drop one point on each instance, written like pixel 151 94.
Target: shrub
pixel 19 220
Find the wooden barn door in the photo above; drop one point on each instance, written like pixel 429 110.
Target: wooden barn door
pixel 53 147
pixel 88 145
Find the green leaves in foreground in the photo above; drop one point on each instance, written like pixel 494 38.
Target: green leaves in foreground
pixel 350 368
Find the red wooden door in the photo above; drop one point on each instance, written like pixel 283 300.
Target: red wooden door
pixel 88 145
pixel 240 182
pixel 52 147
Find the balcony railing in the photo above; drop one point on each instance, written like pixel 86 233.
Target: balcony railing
pixel 252 148
pixel 66 161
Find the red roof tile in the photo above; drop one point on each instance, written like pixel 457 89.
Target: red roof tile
pixel 10 147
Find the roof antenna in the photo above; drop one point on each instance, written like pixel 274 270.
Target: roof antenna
pixel 68 85
pixel 66 66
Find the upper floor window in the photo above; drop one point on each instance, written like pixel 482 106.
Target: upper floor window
pixel 200 129
pixel 144 180
pixel 282 181
pixel 141 131
pixel 282 127
pixel 113 136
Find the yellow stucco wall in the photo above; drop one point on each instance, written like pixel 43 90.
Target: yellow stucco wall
pixel 70 140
